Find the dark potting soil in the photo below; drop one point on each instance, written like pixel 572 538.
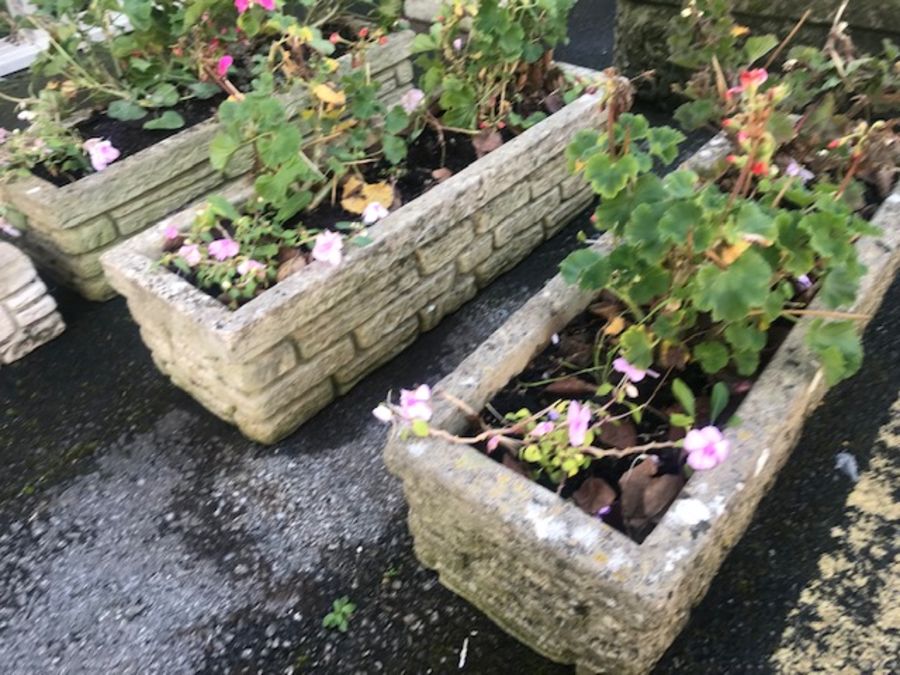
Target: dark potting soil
pixel 426 154
pixel 630 492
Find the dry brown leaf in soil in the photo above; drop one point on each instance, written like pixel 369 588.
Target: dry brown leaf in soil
pixel 619 434
pixel 357 195
pixel 441 174
pixel 486 141
pixel 594 495
pixel 290 267
pixel 571 386
pixel 615 326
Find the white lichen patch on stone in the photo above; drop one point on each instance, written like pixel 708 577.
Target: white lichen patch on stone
pixel 617 560
pixel 673 556
pixel 545 526
pixel 585 536
pixel 717 505
pixel 417 448
pixel 691 511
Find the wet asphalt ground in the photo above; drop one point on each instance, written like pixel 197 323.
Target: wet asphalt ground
pixel 140 534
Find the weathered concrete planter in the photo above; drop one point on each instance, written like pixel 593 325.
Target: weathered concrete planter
pixel 28 316
pixel 274 362
pixel 641 27
pixel 68 228
pixel 567 584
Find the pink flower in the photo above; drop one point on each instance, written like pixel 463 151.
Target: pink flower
pixel 730 94
pixel 327 247
pixel 223 249
pixel 458 44
pixel 412 100
pixel 191 254
pixel 578 417
pixel 706 448
pixel 803 282
pixel 249 265
pixel 8 229
pixel 493 443
pixel 373 212
pixel 243 5
pixel 170 232
pixel 224 64
pixel 383 413
pixel 795 170
pixel 101 152
pixel 621 365
pixel 754 78
pixel 542 428
pixel 416 404
pixel 759 169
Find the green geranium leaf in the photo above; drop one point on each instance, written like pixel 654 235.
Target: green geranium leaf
pixel 678 220
pixel 587 268
pixel 168 120
pixel 663 142
pixel 712 356
pixel 204 90
pixel 838 346
pixel 758 46
pixel 636 347
pixel 680 184
pixel 731 293
pixel 695 114
pixel 744 336
pixel 221 149
pixel 752 220
pixel 125 111
pixel 608 178
pixel 841 283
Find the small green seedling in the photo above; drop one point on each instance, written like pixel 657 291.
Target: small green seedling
pixel 339 616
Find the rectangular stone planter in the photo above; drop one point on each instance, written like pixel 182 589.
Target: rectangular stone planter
pixel 275 361
pixel 566 584
pixel 67 228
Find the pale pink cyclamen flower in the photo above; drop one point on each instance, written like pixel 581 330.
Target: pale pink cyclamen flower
pixel 493 443
pixel 415 404
pixel 578 418
pixel 327 247
pixel 243 5
pixel 170 232
pixel 248 266
pixel 795 170
pixel 542 428
pixel 373 212
pixel 191 254
pixel 101 152
pixel 224 65
pixel 412 100
pixel 622 365
pixel 706 448
pixel 804 283
pixel 383 413
pixel 8 229
pixel 223 249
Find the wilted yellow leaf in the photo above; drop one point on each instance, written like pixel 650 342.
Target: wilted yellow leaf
pixel 357 195
pixel 739 30
pixel 615 326
pixel 328 95
pixel 731 253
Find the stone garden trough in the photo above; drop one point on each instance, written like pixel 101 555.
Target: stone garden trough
pixel 66 229
pixel 567 584
pixel 274 362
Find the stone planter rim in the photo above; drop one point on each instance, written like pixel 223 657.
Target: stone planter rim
pixel 670 554
pixel 100 181
pixel 234 326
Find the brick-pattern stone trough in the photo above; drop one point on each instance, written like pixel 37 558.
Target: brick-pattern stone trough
pixel 567 584
pixel 272 363
pixel 66 229
pixel 28 316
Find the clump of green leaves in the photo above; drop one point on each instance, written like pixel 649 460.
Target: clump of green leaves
pixel 704 272
pixel 481 60
pixel 339 616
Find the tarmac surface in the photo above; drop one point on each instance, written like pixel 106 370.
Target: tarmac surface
pixel 138 533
